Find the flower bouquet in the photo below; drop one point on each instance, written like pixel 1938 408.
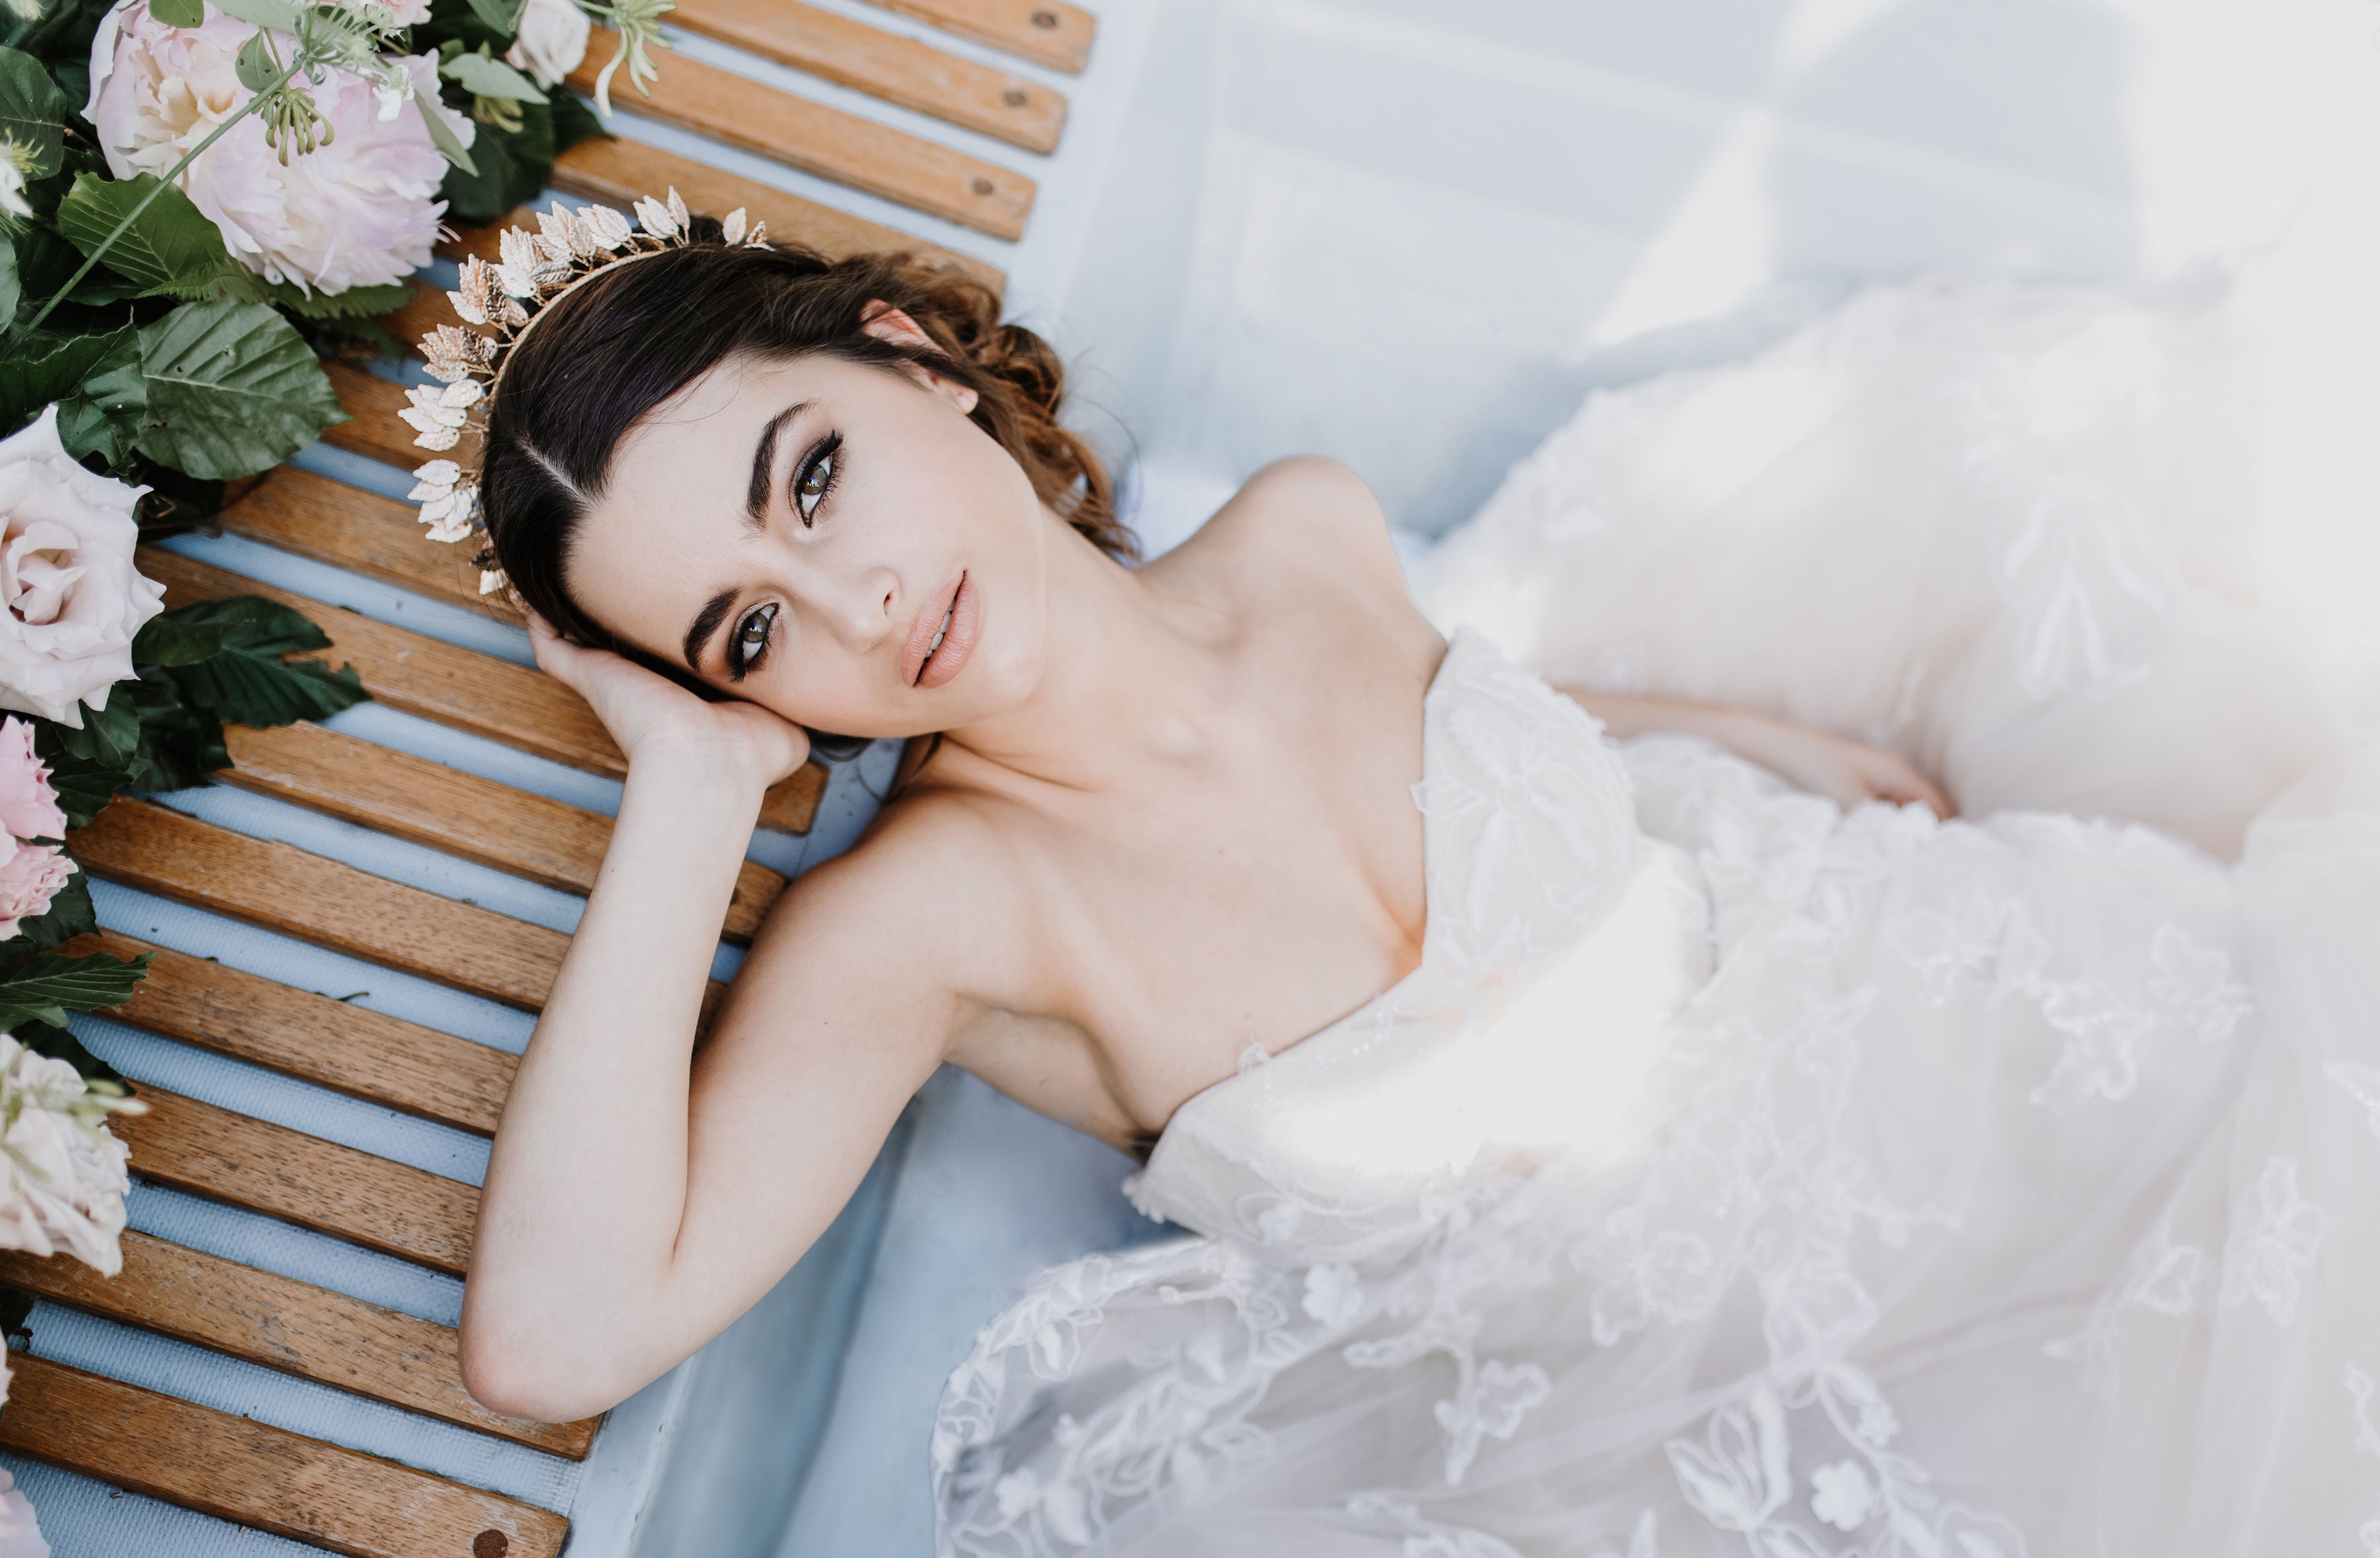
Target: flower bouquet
pixel 199 201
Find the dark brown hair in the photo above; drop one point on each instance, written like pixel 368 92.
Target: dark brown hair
pixel 623 342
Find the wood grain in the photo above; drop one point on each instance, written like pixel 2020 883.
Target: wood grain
pixel 516 705
pixel 347 527
pixel 462 814
pixel 884 64
pixel 1045 31
pixel 312 1036
pixel 392 1207
pixel 289 1325
pixel 906 169
pixel 257 1475
pixel 324 901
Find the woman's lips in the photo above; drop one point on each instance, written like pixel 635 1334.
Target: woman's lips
pixel 935 667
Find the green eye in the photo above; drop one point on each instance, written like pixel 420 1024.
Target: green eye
pixel 816 479
pixel 752 637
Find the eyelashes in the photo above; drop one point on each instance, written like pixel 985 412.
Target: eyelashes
pixel 816 475
pixel 815 478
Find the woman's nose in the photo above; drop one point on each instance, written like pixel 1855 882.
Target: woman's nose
pixel 860 612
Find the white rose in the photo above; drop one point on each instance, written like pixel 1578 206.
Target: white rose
pixel 20 1534
pixel 12 180
pixel 70 600
pixel 62 1178
pixel 552 41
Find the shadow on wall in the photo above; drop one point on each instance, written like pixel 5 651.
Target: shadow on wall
pixel 1364 230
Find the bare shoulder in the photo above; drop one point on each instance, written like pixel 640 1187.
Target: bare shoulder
pixel 1314 512
pixel 923 904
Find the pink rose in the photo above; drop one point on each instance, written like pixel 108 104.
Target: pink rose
pixel 359 211
pixel 30 877
pixel 29 807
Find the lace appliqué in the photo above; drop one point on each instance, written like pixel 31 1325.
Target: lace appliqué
pixel 2267 1260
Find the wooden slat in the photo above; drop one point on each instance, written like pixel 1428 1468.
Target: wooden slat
pixel 462 814
pixel 376 429
pixel 513 704
pixel 906 169
pixel 347 527
pixel 884 64
pixel 312 1036
pixel 331 904
pixel 1042 30
pixel 392 1207
pixel 257 1475
pixel 289 1325
pixel 617 172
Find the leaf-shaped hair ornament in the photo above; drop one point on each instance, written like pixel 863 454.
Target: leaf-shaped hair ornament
pixel 499 305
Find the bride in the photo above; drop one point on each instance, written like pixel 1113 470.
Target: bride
pixel 1614 1106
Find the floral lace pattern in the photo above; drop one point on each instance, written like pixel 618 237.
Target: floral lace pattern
pixel 1738 1174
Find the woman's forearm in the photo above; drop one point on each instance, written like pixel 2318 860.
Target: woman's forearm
pixel 585 1185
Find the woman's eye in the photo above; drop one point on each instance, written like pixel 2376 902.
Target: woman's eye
pixel 816 479
pixel 751 638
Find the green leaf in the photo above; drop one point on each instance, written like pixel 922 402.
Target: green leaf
pixel 178 13
pixel 46 986
pixel 170 244
pixel 96 381
pixel 503 16
pixel 488 77
pixel 85 785
pixel 170 640
pixel 354 301
pixel 573 121
pixel 514 165
pixel 254 65
pixel 277 14
pixel 441 134
pixel 59 1044
pixel 70 915
pixel 232 390
pixel 103 416
pixel 33 112
pixel 247 684
pixel 10 290
pixel 181 745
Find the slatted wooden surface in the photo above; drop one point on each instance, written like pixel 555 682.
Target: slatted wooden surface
pixel 835 48
pixel 289 1325
pixel 1052 35
pixel 894 164
pixel 268 1478
pixel 313 1037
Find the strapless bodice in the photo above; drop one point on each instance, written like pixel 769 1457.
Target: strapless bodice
pixel 1545 901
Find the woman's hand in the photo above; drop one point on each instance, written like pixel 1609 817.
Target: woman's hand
pixel 1845 771
pixel 649 714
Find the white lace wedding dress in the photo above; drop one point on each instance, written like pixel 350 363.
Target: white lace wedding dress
pixel 1736 1174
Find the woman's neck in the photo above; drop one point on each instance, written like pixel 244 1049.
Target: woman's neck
pixel 1134 681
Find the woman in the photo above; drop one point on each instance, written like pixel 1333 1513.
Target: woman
pixel 1610 1125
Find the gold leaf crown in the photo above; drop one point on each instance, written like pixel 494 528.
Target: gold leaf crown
pixel 503 300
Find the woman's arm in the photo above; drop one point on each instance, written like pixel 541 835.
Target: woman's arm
pixel 641 1194
pixel 1845 771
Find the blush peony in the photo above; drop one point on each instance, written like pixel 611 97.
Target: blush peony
pixel 552 41
pixel 359 211
pixel 70 600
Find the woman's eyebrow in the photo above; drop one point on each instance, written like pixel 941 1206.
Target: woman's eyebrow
pixel 764 462
pixel 706 622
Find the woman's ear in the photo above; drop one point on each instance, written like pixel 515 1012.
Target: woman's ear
pixel 885 322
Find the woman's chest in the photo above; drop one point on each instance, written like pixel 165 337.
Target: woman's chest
pixel 1257 913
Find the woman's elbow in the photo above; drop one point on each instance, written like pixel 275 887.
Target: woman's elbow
pixel 528 1373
